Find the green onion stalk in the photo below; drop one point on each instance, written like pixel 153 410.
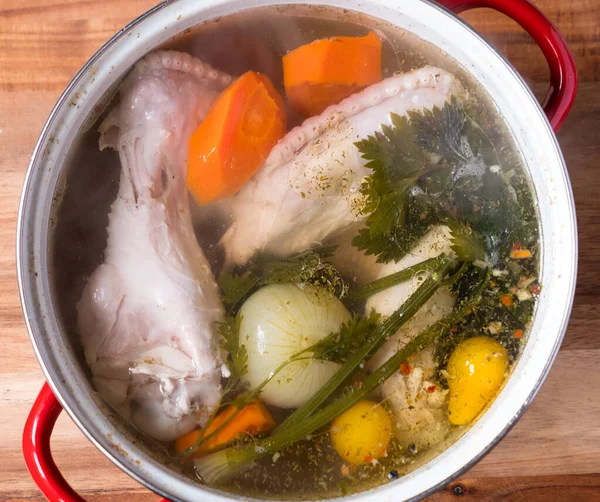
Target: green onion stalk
pixel 364 292
pixel 222 465
pixel 372 344
pixel 240 403
pixel 367 290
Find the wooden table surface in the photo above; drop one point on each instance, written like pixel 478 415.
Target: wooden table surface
pixel 554 451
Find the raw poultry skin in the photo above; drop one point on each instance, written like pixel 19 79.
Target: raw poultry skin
pixel 309 187
pixel 147 314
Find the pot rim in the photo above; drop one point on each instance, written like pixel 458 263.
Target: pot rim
pixel 25 270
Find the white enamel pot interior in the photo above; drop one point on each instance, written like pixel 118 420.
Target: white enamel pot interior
pixel 525 120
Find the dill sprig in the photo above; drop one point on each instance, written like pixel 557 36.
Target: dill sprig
pixel 222 465
pixel 306 268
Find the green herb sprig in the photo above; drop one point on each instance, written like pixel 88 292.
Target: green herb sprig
pixel 338 346
pixel 224 464
pixel 306 268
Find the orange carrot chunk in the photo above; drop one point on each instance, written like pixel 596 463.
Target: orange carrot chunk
pixel 507 300
pixel 520 254
pixel 326 71
pixel 253 419
pixel 232 142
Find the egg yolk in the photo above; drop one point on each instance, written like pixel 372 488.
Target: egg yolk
pixel 362 433
pixel 476 370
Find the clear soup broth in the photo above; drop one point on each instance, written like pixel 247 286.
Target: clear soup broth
pixel 439 227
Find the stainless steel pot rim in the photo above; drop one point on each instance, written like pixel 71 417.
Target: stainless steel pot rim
pixel 24 272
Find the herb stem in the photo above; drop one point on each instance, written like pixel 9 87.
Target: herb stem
pixel 457 275
pixel 226 463
pixel 241 405
pixel 387 329
pixel 388 281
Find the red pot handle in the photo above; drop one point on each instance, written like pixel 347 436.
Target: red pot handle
pixel 563 73
pixel 36 449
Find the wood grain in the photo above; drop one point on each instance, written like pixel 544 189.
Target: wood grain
pixel 565 488
pixel 577 20
pixel 554 451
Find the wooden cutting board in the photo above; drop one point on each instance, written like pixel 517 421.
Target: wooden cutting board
pixel 554 451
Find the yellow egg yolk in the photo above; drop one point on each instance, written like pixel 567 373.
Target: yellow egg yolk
pixel 362 433
pixel 476 370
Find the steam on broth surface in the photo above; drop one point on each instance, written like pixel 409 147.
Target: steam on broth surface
pixel 305 337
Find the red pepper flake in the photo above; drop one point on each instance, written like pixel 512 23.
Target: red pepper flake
pixel 518 333
pixel 405 368
pixel 318 445
pixel 353 468
pixel 475 207
pixel 453 329
pixel 517 245
pixel 368 459
pixel 507 300
pixel 358 384
pixel 431 389
pixel 535 289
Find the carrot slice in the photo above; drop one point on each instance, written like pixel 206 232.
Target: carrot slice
pixel 507 300
pixel 253 419
pixel 234 139
pixel 326 71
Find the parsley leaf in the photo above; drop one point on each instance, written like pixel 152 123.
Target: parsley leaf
pixel 466 242
pixel 337 346
pixel 396 163
pixel 398 156
pixel 229 341
pixel 418 214
pixel 236 288
pixel 431 167
pixel 390 246
pixel 441 131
